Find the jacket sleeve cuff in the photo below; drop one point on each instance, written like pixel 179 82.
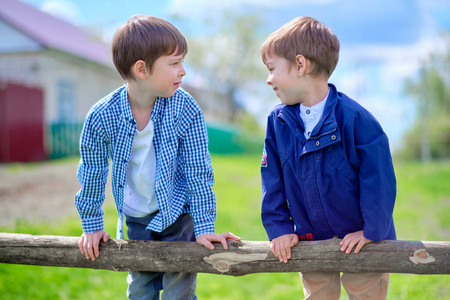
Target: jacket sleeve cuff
pixel 279 230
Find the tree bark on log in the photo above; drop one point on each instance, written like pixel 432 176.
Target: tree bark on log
pixel 246 257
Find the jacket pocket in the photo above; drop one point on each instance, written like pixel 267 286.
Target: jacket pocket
pixel 335 155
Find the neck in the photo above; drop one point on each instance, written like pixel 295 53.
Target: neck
pixel 141 104
pixel 316 93
pixel 140 98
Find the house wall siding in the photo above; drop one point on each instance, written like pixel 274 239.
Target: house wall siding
pixel 46 68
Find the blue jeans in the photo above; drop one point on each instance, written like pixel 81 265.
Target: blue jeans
pixel 147 285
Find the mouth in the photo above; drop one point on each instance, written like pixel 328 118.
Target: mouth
pixel 177 84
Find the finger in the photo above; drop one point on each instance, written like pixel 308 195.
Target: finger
pixel 96 248
pixel 344 244
pixel 350 247
pixel 86 249
pixel 360 246
pixel 229 235
pixel 206 243
pixel 272 249
pixel 294 240
pixel 223 241
pixel 288 251
pixel 346 239
pixel 80 244
pixel 90 251
pixel 106 237
pixel 281 253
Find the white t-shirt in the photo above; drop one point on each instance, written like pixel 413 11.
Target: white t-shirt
pixel 139 193
pixel 311 116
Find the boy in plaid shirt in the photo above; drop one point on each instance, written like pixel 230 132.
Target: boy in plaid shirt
pixel 154 133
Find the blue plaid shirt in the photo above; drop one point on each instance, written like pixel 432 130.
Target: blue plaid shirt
pixel 184 175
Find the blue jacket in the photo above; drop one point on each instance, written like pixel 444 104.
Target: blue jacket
pixel 339 181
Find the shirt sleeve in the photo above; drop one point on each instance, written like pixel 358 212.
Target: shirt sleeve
pixel 376 177
pixel 274 208
pixel 92 175
pixel 199 175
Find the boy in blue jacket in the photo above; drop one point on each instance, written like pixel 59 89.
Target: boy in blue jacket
pixel 155 135
pixel 326 169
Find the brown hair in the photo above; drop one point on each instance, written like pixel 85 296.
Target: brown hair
pixel 145 38
pixel 308 37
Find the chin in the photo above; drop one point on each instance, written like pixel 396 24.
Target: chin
pixel 168 95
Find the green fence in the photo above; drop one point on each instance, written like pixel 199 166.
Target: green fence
pixel 64 140
pixel 226 139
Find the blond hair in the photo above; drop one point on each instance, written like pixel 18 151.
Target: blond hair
pixel 308 37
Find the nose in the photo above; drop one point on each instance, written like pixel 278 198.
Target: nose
pixel 269 80
pixel 182 71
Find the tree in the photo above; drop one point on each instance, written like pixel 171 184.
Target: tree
pixel 432 95
pixel 227 56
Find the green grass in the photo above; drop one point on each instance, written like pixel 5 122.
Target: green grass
pixel 422 212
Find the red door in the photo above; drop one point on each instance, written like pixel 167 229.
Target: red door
pixel 21 124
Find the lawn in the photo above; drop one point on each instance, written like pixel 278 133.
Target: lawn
pixel 422 212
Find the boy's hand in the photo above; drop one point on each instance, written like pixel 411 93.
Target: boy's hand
pixel 281 246
pixel 354 239
pixel 207 238
pixel 89 242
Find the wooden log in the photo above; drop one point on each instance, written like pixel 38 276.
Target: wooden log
pixel 415 257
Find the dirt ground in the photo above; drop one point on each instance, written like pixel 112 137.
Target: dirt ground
pixel 37 192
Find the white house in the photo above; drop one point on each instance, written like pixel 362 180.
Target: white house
pixel 71 67
pixel 71 70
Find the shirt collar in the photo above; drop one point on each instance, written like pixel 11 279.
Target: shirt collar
pixel 314 110
pixel 125 105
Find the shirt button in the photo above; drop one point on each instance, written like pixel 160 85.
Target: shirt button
pixel 317 143
pixel 308 111
pixel 298 129
pixel 333 137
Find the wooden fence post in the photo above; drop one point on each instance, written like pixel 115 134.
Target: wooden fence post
pixel 415 257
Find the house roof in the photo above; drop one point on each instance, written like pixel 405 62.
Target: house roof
pixel 55 33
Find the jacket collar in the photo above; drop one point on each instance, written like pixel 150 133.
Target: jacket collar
pixel 328 116
pixel 290 114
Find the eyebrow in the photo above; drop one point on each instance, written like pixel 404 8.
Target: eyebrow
pixel 177 57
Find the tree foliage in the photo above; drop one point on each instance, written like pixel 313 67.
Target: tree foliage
pixel 430 136
pixel 227 56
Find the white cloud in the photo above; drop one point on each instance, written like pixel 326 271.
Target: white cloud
pixel 374 75
pixel 63 9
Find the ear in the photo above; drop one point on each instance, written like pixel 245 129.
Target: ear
pixel 301 64
pixel 140 69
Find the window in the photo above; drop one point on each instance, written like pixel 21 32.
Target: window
pixel 66 100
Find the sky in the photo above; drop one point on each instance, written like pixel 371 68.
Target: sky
pixel 383 42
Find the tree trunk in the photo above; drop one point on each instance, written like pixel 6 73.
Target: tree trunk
pixel 242 257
